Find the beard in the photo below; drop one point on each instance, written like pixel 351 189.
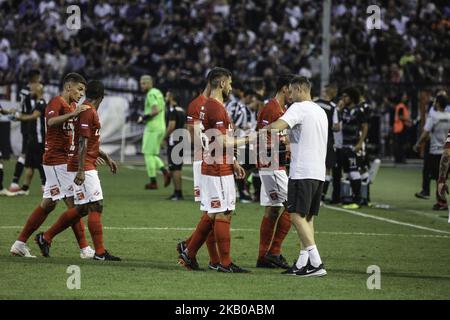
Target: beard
pixel 226 95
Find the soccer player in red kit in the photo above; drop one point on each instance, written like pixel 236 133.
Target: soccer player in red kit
pixel 82 166
pixel 59 115
pixel 218 192
pixel 275 225
pixel 195 127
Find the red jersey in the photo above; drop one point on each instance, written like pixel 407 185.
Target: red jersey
pixel 194 109
pixel 193 115
pixel 87 125
pixel 58 139
pixel 216 117
pixel 271 112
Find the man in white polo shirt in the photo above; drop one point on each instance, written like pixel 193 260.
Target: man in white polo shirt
pixel 308 125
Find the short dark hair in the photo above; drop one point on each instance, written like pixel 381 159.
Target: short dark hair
pixel 352 93
pixel 442 101
pixel 300 81
pixel 238 85
pixel 283 80
pixel 95 90
pixel 249 92
pixel 74 77
pixel 216 75
pixel 33 74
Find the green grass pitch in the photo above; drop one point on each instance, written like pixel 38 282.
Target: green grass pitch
pixel 409 242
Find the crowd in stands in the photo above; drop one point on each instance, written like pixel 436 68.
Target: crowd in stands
pixel 177 41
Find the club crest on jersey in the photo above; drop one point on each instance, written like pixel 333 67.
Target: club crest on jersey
pixel 80 195
pixel 273 195
pixel 202 115
pixel 54 191
pixel 215 204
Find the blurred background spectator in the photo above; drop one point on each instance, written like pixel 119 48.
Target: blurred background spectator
pixel 178 41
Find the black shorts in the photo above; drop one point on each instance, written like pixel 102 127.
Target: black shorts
pixel 351 161
pixel 172 159
pixel 5 140
pixel 330 160
pixel 304 196
pixel 25 141
pixel 33 155
pixel 434 161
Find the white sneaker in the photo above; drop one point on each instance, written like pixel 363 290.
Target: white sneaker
pixel 87 253
pixel 21 249
pixel 14 187
pixel 22 193
pixel 5 192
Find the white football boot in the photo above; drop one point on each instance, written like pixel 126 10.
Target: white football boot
pixel 21 249
pixel 87 253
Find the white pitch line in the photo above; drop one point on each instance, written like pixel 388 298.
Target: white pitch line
pixel 355 213
pixel 426 214
pixel 338 233
pixel 365 215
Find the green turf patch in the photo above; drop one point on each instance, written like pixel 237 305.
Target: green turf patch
pixel 143 228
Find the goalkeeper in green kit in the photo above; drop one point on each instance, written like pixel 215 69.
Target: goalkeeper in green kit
pixel 155 130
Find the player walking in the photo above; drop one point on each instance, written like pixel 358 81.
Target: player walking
pixel 86 184
pixel 59 115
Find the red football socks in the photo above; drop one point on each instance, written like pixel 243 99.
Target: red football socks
pixel 223 240
pixel 188 240
pixel 64 221
pixel 78 230
pixel 212 248
pixel 96 231
pixel 35 220
pixel 265 235
pixel 200 235
pixel 281 231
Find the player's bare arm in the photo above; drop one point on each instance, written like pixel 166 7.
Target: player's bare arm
pixel 233 142
pixel 170 128
pixel 423 137
pixel 56 121
pixel 443 169
pixel 149 116
pixel 79 178
pixel 364 131
pixel 110 162
pixel 29 117
pixel 278 125
pixel 238 170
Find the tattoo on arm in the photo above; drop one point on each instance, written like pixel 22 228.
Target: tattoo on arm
pixel 444 164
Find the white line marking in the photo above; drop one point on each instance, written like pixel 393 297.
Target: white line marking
pixel 360 214
pixel 339 233
pixel 426 214
pixel 365 215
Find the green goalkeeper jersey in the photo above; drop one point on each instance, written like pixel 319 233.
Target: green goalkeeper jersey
pixel 158 122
